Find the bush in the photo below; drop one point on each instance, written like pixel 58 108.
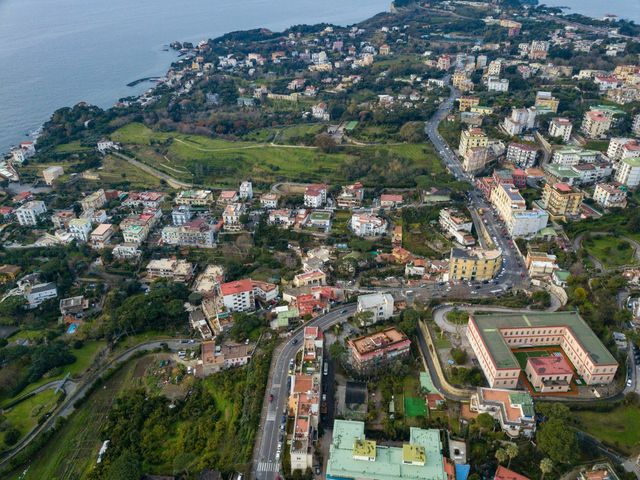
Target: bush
pixel 459 356
pixel 11 436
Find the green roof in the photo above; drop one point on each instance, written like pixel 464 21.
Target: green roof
pixel 351 125
pixel 562 275
pixel 426 383
pixel 391 463
pixel 525 402
pixel 320 216
pixel 547 232
pixel 561 171
pixel 490 327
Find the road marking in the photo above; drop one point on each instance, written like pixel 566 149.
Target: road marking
pixel 268 467
pixel 275 386
pixel 271 416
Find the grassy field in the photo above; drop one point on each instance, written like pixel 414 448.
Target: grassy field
pixel 73 147
pixel 611 251
pixel 619 428
pixel 414 407
pixel 24 416
pixel 220 163
pixel 116 170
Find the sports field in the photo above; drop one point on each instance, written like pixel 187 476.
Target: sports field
pixel 414 407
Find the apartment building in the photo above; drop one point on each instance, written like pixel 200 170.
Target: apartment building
pixel 569 156
pixel 470 139
pixel 101 235
pixel 228 197
pixel 596 124
pixel 379 304
pixel 561 200
pixel 147 199
pixel 540 264
pixel 269 200
pixel 474 264
pixel 520 120
pixel 61 218
pixel 94 201
pixel 560 127
pixel 495 84
pixel 246 190
pixel 238 296
pixel 522 155
pixel 546 102
pixel 511 408
pixel 511 207
pixel 315 196
pixel 628 172
pixel 610 195
pixel 181 214
pixel 196 233
pixel 195 198
pixel 310 279
pixel 494 337
pixel 170 268
pixel 635 128
pixel 231 217
pixel 621 148
pixel 351 196
pixel 456 225
pixel 29 213
pixel 369 353
pixel 80 229
pixel 39 293
pixel 368 225
pixel 465 103
pixel 475 160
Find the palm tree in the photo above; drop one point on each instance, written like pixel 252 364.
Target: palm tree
pixel 546 466
pixel 512 452
pixel 501 455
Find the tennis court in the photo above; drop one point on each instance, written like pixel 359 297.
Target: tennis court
pixel 414 407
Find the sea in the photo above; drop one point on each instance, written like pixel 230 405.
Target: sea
pixel 56 53
pixel 627 9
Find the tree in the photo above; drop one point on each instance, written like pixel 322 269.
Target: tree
pixel 326 143
pixel 413 132
pixel 501 456
pixel 125 467
pixel 580 295
pixel 11 436
pixel 484 423
pixel 364 318
pixel 337 350
pixel 558 441
pixel 512 452
pixel 546 466
pixel 459 356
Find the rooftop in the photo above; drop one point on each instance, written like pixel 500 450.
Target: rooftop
pixel 551 365
pixel 375 341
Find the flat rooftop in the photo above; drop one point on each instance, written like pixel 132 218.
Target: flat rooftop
pixel 490 326
pixel 375 341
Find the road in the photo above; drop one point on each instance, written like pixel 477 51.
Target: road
pixel 67 406
pixel 514 274
pixel 265 465
pixel 172 182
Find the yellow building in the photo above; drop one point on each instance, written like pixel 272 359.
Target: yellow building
pixel 482 110
pixel 474 264
pixel 461 81
pixel 472 138
pixel 546 101
pixel 561 200
pixel 467 103
pixel 596 124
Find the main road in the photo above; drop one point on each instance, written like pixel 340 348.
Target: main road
pixel 265 464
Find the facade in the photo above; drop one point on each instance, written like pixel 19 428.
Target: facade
pixel 540 264
pixel 570 156
pixel 126 251
pixel 628 172
pixel 371 352
pixel 315 196
pixel 546 102
pixel 80 229
pixel 521 119
pixel 561 200
pixel 39 293
pixel 170 268
pixel 495 84
pixel 269 200
pixel 621 148
pixel 513 409
pixel 238 296
pixel 231 217
pixel 195 198
pixel 475 160
pixel 549 374
pixel 181 215
pixel 474 264
pixel 391 200
pixel 51 173
pixel 196 233
pixel 351 196
pixel 310 279
pixel 216 358
pixel 101 235
pixel 635 128
pixel 94 201
pixel 246 191
pixel 379 304
pixel 353 457
pixel 511 207
pixel 144 199
pixel 596 124
pixel 521 155
pixel 29 213
pixel 456 225
pixel 466 103
pixel 610 195
pixel 560 127
pixel 472 138
pixel 367 225
pixel 494 337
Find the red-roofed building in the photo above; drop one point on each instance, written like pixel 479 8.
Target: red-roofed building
pixel 389 200
pixel 238 296
pixel 549 374
pixel 315 195
pixel 308 304
pixel 23 197
pixel 503 473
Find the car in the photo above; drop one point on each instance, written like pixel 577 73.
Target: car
pixel 629 382
pixel 318 470
pixel 295 340
pixel 344 311
pixel 277 455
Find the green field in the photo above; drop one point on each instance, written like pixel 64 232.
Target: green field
pixel 73 147
pixel 414 407
pixel 611 251
pixel 522 356
pixel 116 170
pixel 619 428
pixel 219 163
pixel 24 416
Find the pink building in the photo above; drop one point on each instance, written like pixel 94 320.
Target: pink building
pixel 549 374
pixel 378 349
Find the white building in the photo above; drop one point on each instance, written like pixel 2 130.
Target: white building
pixel 379 304
pixel 80 229
pixel 104 146
pixel 636 125
pixel 29 213
pixel 620 148
pixel 181 215
pixel 560 127
pixel 269 200
pixel 521 155
pixel 628 172
pixel 238 296
pixel 495 84
pixel 521 119
pixel 246 191
pixel 126 251
pixel 609 195
pixel 569 156
pixel 231 217
pixel 526 223
pixel 51 173
pixel 315 195
pixel 37 294
pixel 368 225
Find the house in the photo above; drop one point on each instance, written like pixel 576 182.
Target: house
pixel 29 213
pixel 269 200
pixel 320 112
pixel 320 219
pixel 628 172
pixel 194 198
pixel 351 196
pixel 513 409
pixel 246 191
pixel 126 251
pixel 101 235
pixel 93 201
pixel 503 473
pixel 546 102
pixel 170 268
pixel 104 146
pixel 600 471
pixel 315 195
pixel 379 304
pixel 390 200
pixel 6 213
pixel 375 351
pixel 231 217
pixel 74 305
pixel 367 225
pixel 36 294
pixel 540 264
pixel 549 374
pixel 61 218
pixel 316 277
pixel 80 229
pixel 143 199
pixel 51 173
pixel 456 225
pixel 181 214
pixel 221 357
pixel 610 195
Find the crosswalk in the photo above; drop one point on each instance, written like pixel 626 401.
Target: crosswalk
pixel 268 467
pixel 271 416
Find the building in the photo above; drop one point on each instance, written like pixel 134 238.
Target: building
pixel 238 296
pixel 135 234
pixel 352 456
pixel 466 103
pixel 269 200
pixel 126 251
pixel 475 160
pixel 104 146
pixel 503 473
pixel 600 471
pixel 94 201
pixel 74 305
pixel 540 264
pixel 522 155
pixel 216 358
pixel 181 215
pixel 36 294
pixel 379 304
pixel 61 218
pixel 196 233
pixel 621 148
pixel 596 124
pixel 29 213
pixel 315 196
pixel 561 200
pixel 513 409
pixel 560 127
pixel 80 229
pixel 144 199
pixel 474 264
pixel 456 225
pixel 444 62
pixel 511 207
pixel 51 173
pixel 371 352
pixel 8 273
pixel 101 235
pixel 367 225
pixel 610 195
pixel 310 279
pixel 628 172
pixel 170 268
pixel 635 128
pixel 351 196
pixel 195 198
pixel 495 84
pixel 494 338
pixel 470 139
pixel 570 156
pixel 246 191
pixel 538 50
pixel 520 120
pixel 549 374
pixel 231 217
pixel 391 200
pixel 546 102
